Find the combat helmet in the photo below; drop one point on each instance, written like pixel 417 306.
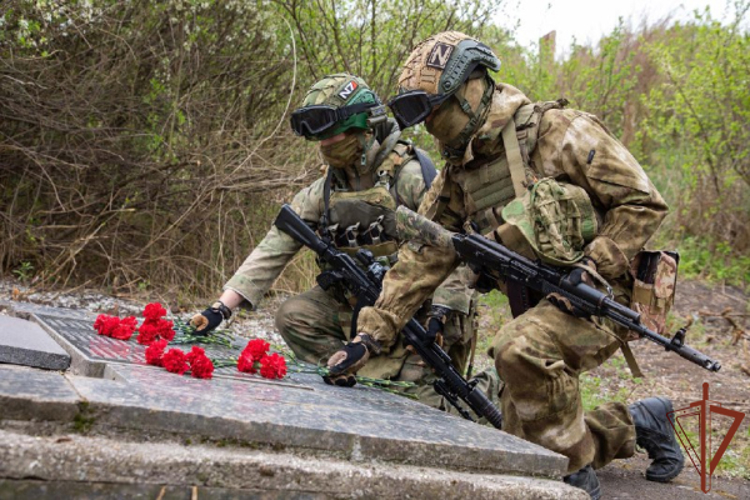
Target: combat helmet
pixel 335 104
pixel 435 71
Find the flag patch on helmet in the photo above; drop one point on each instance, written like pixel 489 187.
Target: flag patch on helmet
pixel 439 55
pixel 348 90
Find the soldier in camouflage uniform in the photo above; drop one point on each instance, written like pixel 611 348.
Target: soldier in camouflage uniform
pixel 598 209
pixel 370 172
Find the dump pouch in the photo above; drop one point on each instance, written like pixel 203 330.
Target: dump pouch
pixel 556 219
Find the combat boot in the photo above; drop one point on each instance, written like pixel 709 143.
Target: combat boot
pixel 654 433
pixel 586 480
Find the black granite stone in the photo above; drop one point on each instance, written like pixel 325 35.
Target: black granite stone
pixel 25 343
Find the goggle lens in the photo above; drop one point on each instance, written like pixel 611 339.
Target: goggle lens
pixel 315 120
pixel 414 107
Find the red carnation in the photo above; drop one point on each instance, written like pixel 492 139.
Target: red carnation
pixel 154 311
pixel 155 352
pixel 256 349
pixel 165 329
pixel 273 366
pixel 147 334
pixel 195 352
pixel 175 361
pixel 99 323
pixel 106 325
pixel 124 330
pixel 201 366
pixel 246 364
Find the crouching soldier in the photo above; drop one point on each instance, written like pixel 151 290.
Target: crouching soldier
pixel 370 172
pixel 593 210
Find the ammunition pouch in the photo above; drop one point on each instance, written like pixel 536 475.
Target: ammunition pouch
pixel 654 284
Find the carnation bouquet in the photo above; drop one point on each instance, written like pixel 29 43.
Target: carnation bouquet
pixel 157 334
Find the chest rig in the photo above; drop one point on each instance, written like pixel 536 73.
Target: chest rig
pixel 365 219
pixel 489 183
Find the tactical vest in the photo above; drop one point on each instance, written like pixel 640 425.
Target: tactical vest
pixel 366 219
pixel 489 185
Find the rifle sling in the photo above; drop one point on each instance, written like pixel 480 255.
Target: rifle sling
pixel 630 360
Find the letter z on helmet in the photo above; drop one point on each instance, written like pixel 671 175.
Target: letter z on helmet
pixel 434 71
pixel 334 105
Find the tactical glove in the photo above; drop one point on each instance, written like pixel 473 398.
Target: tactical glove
pixel 436 320
pixel 580 274
pixel 211 318
pixel 344 364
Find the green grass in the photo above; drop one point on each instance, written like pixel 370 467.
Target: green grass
pixel 701 260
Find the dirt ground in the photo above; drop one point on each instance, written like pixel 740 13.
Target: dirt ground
pixel 726 338
pixel 721 329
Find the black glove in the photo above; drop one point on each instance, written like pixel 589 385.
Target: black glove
pixel 211 318
pixel 344 364
pixel 436 320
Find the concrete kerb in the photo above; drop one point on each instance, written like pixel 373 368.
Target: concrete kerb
pixel 101 460
pixel 354 446
pixel 28 394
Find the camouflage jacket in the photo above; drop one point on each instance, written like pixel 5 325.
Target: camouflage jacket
pixel 632 208
pixel 266 262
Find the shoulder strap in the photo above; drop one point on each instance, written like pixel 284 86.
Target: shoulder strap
pixel 531 127
pixel 326 216
pixel 429 172
pixel 520 137
pixel 515 161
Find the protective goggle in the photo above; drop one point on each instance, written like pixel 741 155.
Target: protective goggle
pixel 312 121
pixel 414 106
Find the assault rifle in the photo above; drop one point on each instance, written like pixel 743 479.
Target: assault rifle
pixel 498 262
pixel 366 285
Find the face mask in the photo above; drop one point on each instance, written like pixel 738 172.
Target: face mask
pixel 447 121
pixel 345 153
pixel 450 121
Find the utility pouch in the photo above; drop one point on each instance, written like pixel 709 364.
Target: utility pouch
pixel 654 283
pixel 557 219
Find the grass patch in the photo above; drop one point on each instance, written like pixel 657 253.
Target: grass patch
pixel 715 262
pixel 84 420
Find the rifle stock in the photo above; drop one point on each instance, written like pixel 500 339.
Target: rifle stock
pixel 499 262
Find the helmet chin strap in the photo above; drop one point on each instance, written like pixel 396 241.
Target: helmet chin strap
pixel 455 149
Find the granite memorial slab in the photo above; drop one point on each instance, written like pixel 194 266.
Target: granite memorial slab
pixel 25 343
pixel 299 412
pixel 31 394
pixel 362 423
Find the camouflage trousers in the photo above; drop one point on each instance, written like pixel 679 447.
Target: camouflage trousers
pixel 315 325
pixel 539 356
